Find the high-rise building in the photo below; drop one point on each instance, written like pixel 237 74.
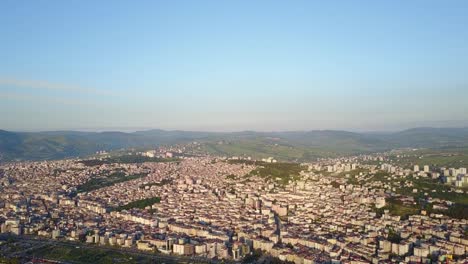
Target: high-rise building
pixel 416 168
pixel 426 168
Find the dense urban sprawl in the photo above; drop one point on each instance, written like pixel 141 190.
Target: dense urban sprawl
pixel 330 211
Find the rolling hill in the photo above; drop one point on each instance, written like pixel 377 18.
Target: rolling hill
pixel 295 145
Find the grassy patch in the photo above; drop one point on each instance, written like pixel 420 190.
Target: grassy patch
pixel 258 148
pixel 396 207
pixel 456 157
pixel 282 172
pixel 126 159
pixel 442 191
pixel 82 255
pixel 107 180
pixel 459 211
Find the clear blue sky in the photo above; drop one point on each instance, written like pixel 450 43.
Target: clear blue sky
pixel 233 65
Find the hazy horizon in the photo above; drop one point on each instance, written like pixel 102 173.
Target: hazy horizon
pixel 137 129
pixel 233 66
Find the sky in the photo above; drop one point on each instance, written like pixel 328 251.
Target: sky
pixel 233 65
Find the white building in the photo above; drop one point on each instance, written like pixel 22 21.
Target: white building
pixel 426 168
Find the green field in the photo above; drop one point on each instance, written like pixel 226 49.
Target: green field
pixel 101 181
pixel 125 159
pixel 450 158
pixel 258 149
pixel 80 255
pixel 280 172
pixel 282 149
pixel 141 204
pixel 426 185
pixel 285 146
pixel 396 207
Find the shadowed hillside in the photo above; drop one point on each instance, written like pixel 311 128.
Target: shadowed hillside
pixel 297 145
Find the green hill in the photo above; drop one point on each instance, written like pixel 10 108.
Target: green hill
pixel 296 145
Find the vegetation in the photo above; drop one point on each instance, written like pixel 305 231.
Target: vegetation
pixel 289 146
pixel 107 180
pixel 443 157
pixel 67 144
pixel 335 184
pixel 442 191
pixel 284 172
pixel 393 236
pixel 6 260
pixel 243 161
pixel 257 255
pixel 87 255
pixel 253 256
pixel 94 162
pixel 426 188
pixel 139 204
pixel 397 207
pixel 231 176
pixel 260 148
pixel 161 183
pixel 125 159
pixel 459 211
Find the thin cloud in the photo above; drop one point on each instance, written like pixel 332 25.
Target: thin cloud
pixel 37 84
pixel 42 99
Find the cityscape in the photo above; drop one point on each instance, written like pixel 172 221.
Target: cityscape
pixel 170 201
pixel 225 132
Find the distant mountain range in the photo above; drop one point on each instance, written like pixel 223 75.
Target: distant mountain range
pixel 298 145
